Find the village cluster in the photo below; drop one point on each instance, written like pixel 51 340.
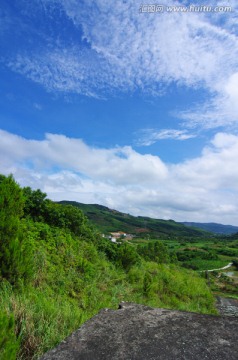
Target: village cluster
pixel 117 236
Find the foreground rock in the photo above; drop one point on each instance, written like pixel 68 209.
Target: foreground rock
pixel 136 332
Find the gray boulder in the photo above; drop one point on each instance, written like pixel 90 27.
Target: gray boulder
pixel 137 332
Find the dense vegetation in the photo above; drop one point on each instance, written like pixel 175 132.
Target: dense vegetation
pixel 56 271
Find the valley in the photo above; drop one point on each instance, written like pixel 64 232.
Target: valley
pixel 194 248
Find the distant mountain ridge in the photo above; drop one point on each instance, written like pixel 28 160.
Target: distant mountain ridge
pixel 214 227
pixel 108 220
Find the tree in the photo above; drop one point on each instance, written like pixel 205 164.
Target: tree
pixel 154 251
pixel 68 217
pixel 35 203
pixel 127 256
pixel 14 254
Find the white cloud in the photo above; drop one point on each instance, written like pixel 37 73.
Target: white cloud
pixel 201 189
pixel 113 165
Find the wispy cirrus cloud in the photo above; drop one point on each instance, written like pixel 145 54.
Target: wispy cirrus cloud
pixel 220 110
pixel 146 47
pixel 65 70
pixel 148 53
pixel 148 137
pixel 115 49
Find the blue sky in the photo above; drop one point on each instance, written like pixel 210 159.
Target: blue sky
pixel 136 111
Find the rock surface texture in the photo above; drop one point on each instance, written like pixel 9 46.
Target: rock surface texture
pixel 136 332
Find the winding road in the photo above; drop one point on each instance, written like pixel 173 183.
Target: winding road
pixel 223 268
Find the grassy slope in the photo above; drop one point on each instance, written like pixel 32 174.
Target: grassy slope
pixel 73 281
pixel 72 273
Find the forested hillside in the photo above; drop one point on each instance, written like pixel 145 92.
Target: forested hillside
pixel 56 271
pixel 107 220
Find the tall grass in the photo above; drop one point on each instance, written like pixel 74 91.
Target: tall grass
pixel 9 345
pixel 171 287
pixel 41 320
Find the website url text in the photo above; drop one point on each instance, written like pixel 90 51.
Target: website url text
pixel 155 8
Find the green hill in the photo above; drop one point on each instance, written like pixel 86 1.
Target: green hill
pixel 214 227
pixel 107 220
